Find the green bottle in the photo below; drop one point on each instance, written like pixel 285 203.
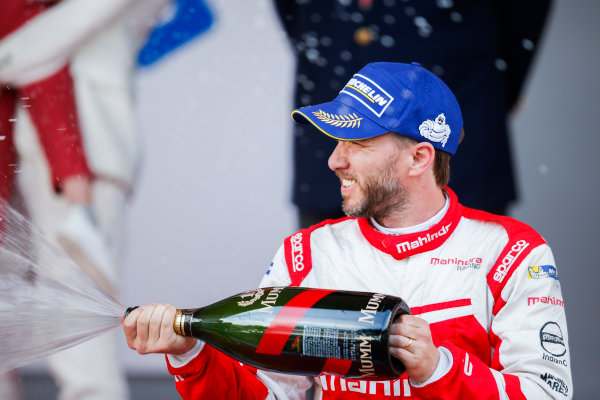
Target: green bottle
pixel 302 331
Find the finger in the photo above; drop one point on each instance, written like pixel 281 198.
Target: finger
pixel 130 326
pixel 401 341
pixel 407 331
pixel 154 327
pixel 411 320
pixel 166 327
pixel 395 329
pixel 411 327
pixel 406 350
pixel 129 323
pixel 406 357
pixel 143 326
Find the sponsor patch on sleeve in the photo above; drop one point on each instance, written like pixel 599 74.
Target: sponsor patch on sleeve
pixel 541 272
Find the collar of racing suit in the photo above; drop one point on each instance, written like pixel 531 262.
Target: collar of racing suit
pixel 402 246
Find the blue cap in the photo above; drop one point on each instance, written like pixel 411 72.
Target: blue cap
pixel 390 97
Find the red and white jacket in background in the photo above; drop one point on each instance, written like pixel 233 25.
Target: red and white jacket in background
pixel 486 284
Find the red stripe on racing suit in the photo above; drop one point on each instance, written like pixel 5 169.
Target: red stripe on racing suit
pixel 297 252
pixel 214 375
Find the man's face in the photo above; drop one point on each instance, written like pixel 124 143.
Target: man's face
pixel 370 174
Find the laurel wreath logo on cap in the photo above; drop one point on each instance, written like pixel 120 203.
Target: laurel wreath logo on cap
pixel 340 121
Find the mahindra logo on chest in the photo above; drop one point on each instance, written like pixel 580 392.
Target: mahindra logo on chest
pixel 509 259
pixel 297 252
pixel 405 246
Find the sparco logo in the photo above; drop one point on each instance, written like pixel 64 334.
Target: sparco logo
pixel 297 252
pixel 556 384
pixel 509 259
pixel 552 340
pixel 404 246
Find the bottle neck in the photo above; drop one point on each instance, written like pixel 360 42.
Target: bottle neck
pixel 178 323
pixel 182 323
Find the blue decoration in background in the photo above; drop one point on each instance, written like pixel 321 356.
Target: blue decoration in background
pixel 191 19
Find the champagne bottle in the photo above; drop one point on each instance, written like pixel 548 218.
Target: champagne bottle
pixel 302 331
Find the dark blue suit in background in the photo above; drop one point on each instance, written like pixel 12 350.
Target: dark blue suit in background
pixel 481 48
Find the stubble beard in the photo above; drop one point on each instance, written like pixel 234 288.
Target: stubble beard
pixel 382 195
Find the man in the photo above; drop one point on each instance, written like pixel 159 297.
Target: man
pixel 482 49
pixel 482 326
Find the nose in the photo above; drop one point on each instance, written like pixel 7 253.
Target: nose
pixel 339 158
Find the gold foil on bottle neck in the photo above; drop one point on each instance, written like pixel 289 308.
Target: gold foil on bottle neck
pixel 178 323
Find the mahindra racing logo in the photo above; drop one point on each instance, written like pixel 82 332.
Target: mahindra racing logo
pixel 297 252
pixel 461 265
pixel 509 259
pixel 404 246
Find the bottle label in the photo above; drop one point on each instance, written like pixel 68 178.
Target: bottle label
pixel 326 342
pixel 340 345
pixel 283 324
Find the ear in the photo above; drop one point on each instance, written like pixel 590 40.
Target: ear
pixel 423 155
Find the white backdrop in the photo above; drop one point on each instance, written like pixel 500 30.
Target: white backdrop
pixel 212 204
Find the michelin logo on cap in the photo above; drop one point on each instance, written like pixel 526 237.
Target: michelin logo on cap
pixel 370 94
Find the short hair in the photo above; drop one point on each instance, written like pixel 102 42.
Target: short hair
pixel 441 167
pixel 441 164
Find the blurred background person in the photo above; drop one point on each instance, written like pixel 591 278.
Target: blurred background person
pixel 482 49
pixel 99 41
pixel 190 19
pixel 48 95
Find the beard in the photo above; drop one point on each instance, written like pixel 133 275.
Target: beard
pixel 382 195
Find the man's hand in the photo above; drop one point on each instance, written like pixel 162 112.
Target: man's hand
pixel 149 329
pixel 411 343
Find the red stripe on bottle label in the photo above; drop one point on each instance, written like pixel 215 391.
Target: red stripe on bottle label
pixel 335 366
pixel 282 326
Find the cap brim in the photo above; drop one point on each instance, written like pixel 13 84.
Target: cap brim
pixel 338 121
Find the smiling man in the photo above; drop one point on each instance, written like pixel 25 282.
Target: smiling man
pixel 466 274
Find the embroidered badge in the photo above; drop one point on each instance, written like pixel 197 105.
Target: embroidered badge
pixel 436 131
pixel 341 121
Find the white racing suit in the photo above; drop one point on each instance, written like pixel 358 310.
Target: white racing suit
pixel 487 285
